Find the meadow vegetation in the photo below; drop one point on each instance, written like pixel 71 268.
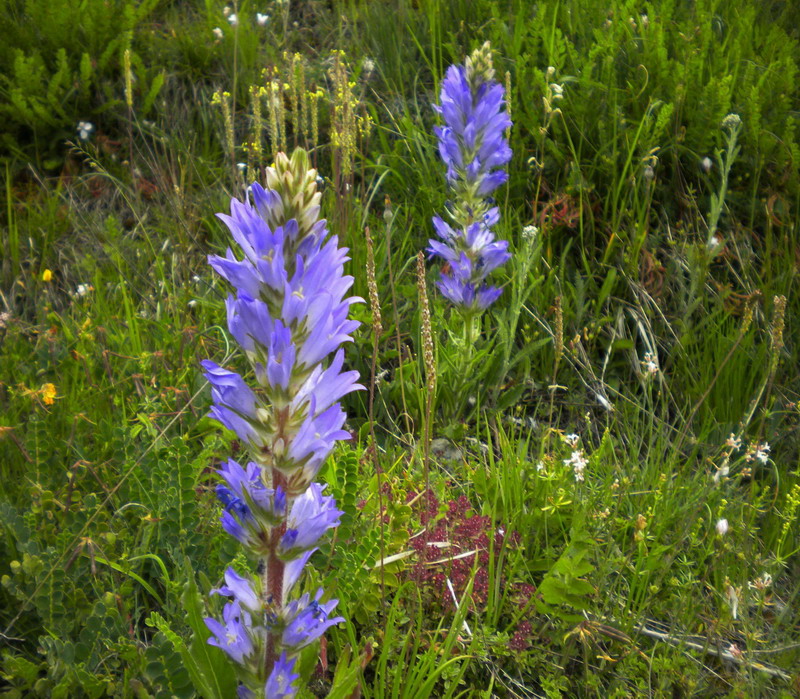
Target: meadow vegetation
pixel 592 489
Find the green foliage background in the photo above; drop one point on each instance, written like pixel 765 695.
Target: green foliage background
pixel 618 585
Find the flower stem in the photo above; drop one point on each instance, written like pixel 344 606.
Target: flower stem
pixel 273 589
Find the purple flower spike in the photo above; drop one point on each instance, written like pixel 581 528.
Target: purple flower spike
pixel 473 141
pixel 289 313
pixel 307 620
pixel 280 684
pixel 474 147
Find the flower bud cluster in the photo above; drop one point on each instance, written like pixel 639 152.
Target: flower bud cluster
pixel 289 314
pixel 474 147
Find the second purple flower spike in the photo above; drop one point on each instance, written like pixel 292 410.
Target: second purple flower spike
pixel 474 147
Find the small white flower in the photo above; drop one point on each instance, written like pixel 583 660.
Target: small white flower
pixel 722 527
pixel 722 472
pixel 82 290
pixel 762 453
pixel 241 167
pixel 571 439
pixel 226 11
pixel 731 121
pixel 713 243
pixel 196 279
pixel 649 173
pixel 539 466
pixel 761 583
pixel 233 20
pixel 649 364
pixel 578 461
pixel 550 72
pixel 530 232
pixel 192 303
pixel 368 65
pixel 706 164
pixel 558 91
pixel 85 130
pixel 217 32
pixel 733 441
pixel 261 20
pixel 645 21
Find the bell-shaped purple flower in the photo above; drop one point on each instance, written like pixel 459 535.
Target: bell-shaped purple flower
pixel 232 636
pixel 313 442
pixel 307 620
pixel 280 684
pixel 327 386
pixel 242 591
pixel 311 516
pixel 234 403
pixel 251 509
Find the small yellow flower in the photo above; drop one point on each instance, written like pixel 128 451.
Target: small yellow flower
pixel 47 275
pixel 48 393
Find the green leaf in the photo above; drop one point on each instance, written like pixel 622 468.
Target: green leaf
pixel 220 679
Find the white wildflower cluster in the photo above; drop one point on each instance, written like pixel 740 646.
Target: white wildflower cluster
pixel 733 442
pixel 577 459
pixel 757 452
pixel 722 472
pixel 649 365
pixel 85 130
pixel 233 19
pixel 731 121
pixel 529 233
pixel 82 290
pixel 368 67
pixel 761 583
pixel 722 526
pixel 713 243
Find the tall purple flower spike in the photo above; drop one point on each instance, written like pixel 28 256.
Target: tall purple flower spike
pixel 474 147
pixel 289 314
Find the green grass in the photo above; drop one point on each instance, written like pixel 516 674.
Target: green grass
pixel 616 585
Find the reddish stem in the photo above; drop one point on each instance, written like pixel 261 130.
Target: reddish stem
pixel 274 578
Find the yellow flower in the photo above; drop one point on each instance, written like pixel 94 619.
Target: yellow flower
pixel 47 275
pixel 48 393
